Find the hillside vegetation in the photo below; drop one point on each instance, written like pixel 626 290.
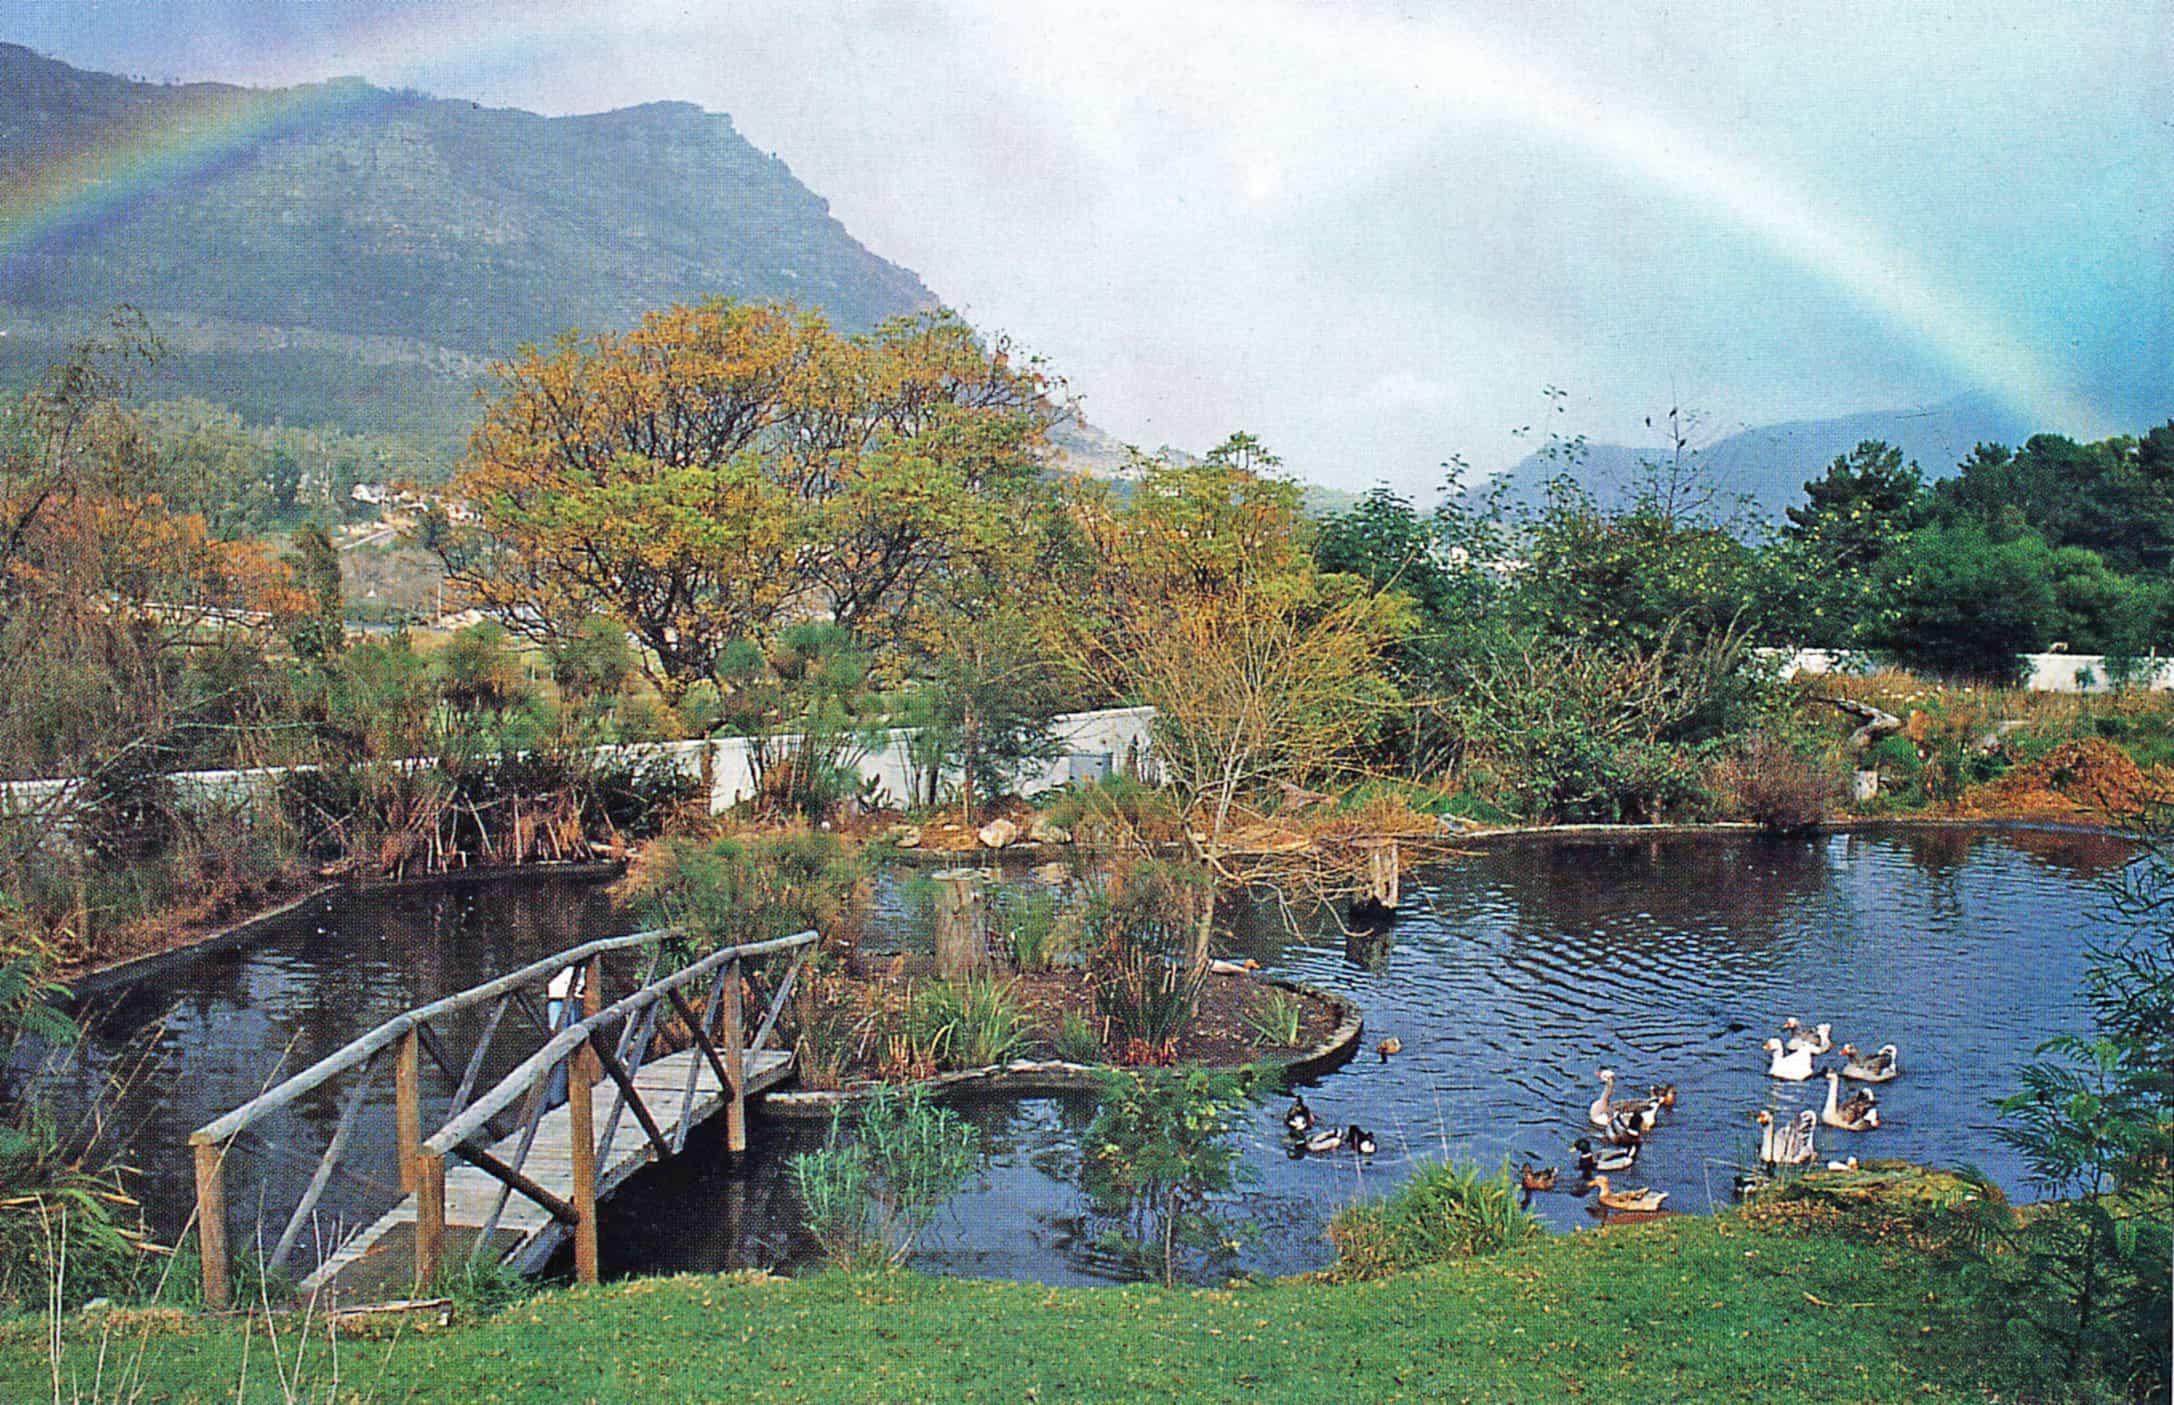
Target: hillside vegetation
pixel 361 259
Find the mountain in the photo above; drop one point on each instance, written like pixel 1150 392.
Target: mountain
pixel 342 254
pixel 1770 464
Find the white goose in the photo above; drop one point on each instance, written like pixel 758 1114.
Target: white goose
pixel 1819 1041
pixel 1795 1066
pixel 1639 1114
pixel 1878 1069
pixel 1788 1146
pixel 1857 1115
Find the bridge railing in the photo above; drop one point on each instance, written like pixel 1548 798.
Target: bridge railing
pixel 577 1049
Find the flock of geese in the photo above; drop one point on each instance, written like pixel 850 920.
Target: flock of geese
pixel 1623 1124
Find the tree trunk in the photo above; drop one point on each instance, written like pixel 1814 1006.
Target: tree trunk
pixel 962 948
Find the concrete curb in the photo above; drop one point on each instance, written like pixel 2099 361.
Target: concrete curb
pixel 1028 1078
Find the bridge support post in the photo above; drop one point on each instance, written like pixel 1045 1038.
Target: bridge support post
pixel 408 1105
pixel 581 1127
pixel 211 1224
pixel 735 1042
pixel 429 1217
pixel 581 1138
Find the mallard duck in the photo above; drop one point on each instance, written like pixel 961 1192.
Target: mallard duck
pixel 1787 1146
pixel 1360 1140
pixel 1795 1066
pixel 1856 1115
pixel 1628 1129
pixel 1531 1179
pixel 1877 1069
pixel 1640 1199
pixel 1391 1045
pixel 1819 1041
pixel 1591 1161
pixel 1298 1118
pixel 1748 1183
pixel 1328 1139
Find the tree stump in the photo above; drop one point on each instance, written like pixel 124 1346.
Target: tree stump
pixel 962 941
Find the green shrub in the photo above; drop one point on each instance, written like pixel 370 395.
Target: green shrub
pixel 1444 1212
pixel 730 891
pixel 1077 1040
pixel 1141 939
pixel 1115 805
pixel 1163 1146
pixel 1032 922
pixel 881 1175
pixel 969 1023
pixel 1278 1017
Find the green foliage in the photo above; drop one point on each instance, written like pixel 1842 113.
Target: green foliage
pixel 1035 925
pixel 884 1171
pixel 1076 1040
pixel 1163 1146
pixel 2114 498
pixel 1118 804
pixel 2095 1121
pixel 479 1289
pixel 1384 542
pixel 968 1023
pixel 1444 1213
pixel 1277 1018
pixel 728 892
pixel 1961 603
pixel 1141 956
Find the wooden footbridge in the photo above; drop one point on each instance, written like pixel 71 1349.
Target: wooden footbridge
pixel 508 1174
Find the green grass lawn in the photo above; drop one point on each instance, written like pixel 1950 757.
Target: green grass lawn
pixel 1688 1308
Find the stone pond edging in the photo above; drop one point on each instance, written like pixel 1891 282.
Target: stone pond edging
pixel 1029 1077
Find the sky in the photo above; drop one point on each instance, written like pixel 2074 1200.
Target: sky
pixel 1376 235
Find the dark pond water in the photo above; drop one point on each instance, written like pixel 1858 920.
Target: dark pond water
pixel 1517 972
pixel 1524 970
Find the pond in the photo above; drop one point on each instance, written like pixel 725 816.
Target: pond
pixel 1516 972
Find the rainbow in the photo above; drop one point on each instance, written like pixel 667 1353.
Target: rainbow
pixel 1455 70
pixel 182 138
pixel 1448 70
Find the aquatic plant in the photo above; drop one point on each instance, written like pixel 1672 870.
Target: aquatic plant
pixel 1446 1211
pixel 882 1173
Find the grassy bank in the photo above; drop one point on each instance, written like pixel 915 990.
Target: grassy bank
pixel 1684 1308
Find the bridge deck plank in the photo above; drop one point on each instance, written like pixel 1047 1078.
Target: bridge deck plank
pixel 471 1192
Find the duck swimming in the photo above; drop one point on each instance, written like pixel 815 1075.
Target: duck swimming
pixel 1360 1140
pixel 1591 1162
pixel 1391 1045
pixel 1857 1115
pixel 1298 1120
pixel 1795 1066
pixel 1878 1069
pixel 1640 1199
pixel 1819 1041
pixel 1531 1179
pixel 1331 1139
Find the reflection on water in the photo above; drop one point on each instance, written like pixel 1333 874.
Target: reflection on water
pixel 1523 970
pixel 1517 972
pixel 211 1033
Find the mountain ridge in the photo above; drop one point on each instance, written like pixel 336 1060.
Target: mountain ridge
pixel 361 216
pixel 1770 464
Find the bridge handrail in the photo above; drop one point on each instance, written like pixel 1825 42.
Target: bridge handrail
pixel 523 1077
pixel 225 1128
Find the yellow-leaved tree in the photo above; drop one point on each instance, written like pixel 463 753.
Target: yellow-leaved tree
pixel 1262 669
pixel 726 470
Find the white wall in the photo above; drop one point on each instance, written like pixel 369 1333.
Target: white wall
pixel 1090 745
pixel 2047 673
